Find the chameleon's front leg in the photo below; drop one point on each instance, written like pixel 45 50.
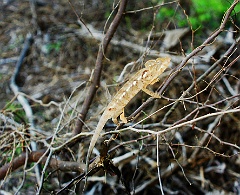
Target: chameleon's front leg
pixel 151 93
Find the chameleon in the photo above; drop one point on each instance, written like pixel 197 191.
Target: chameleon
pixel 144 77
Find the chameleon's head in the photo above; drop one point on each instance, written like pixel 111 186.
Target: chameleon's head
pixel 159 65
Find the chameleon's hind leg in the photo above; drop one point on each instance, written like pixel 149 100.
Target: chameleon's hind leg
pixel 123 118
pixel 151 93
pixel 114 119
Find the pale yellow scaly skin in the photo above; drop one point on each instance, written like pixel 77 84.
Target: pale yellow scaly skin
pixel 140 81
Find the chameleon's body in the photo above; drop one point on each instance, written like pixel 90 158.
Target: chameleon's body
pixel 140 81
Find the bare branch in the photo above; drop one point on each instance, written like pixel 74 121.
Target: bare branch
pixel 98 67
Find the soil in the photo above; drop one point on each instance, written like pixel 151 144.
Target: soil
pixel 55 77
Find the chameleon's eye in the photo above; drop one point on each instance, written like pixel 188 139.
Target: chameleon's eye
pixel 150 63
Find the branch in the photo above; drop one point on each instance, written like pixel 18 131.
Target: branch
pixel 98 67
pixel 37 156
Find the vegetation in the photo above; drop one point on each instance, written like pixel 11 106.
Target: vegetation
pixel 205 14
pixel 60 63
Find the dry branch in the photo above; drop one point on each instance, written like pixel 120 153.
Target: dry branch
pixel 37 156
pixel 98 67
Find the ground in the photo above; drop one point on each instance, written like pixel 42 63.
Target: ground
pixel 199 108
